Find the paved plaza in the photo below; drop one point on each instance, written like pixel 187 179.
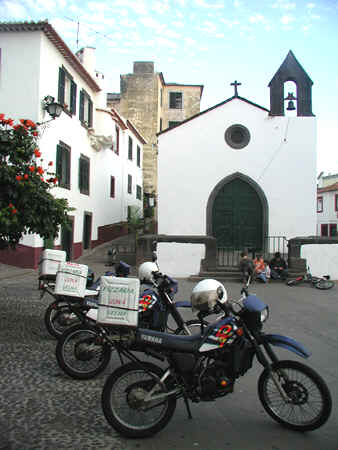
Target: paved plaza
pixel 42 408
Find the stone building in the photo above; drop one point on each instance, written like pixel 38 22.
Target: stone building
pixel 153 105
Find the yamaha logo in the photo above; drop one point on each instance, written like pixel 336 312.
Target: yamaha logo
pixel 151 339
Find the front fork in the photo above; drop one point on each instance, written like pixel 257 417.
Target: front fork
pixel 267 365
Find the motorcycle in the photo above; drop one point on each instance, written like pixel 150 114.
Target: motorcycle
pixel 84 351
pixel 66 311
pixel 139 398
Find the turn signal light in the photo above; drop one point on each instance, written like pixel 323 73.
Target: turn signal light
pixel 224 383
pixel 240 331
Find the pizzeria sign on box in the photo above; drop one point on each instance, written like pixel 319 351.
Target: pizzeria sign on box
pixel 119 301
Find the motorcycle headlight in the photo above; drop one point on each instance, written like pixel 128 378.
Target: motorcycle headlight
pixel 264 314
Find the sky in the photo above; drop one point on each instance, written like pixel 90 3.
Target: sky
pixel 207 42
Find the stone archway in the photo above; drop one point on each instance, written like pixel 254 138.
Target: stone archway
pixel 237 213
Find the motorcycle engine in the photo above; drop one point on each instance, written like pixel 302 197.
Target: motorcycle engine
pixel 214 381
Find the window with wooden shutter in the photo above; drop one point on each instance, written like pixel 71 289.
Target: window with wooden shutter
pixel 112 187
pixel 138 156
pixel 117 149
pixel 67 91
pixel 130 148
pixel 138 192
pixel 86 109
pixel 84 169
pixel 175 100
pixel 61 87
pixel 130 184
pixel 63 152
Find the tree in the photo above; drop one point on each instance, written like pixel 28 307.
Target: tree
pixel 135 222
pixel 26 203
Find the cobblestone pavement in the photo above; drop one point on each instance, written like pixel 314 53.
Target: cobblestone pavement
pixel 40 407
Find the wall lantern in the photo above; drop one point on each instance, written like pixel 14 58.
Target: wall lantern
pixel 53 108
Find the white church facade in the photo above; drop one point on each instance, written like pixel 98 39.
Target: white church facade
pixel 239 172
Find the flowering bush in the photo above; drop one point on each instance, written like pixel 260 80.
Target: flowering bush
pixel 26 205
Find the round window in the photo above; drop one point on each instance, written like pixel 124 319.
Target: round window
pixel 237 136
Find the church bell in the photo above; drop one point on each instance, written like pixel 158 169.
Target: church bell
pixel 290 98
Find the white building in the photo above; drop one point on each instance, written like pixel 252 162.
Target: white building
pixel 327 207
pixel 239 172
pixel 97 153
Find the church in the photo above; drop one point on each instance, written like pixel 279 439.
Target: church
pixel 239 172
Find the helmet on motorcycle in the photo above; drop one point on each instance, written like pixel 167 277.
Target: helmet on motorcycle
pixel 145 271
pixel 206 293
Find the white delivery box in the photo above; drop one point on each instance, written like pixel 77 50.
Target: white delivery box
pixel 49 263
pixel 118 301
pixel 71 279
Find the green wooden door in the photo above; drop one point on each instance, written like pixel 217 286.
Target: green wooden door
pixel 237 216
pixel 67 239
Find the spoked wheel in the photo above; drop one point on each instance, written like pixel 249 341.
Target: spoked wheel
pixel 123 400
pixel 59 317
pixel 81 353
pixel 324 284
pixel 194 327
pixel 309 401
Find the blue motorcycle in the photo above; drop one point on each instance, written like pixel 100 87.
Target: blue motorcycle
pixel 139 398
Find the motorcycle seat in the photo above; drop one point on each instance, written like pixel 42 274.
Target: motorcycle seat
pixel 157 339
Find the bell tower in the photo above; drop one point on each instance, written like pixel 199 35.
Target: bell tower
pixel 291 70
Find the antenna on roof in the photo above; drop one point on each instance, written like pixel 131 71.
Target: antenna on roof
pixel 77 36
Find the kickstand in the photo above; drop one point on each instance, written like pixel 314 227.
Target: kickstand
pixel 188 407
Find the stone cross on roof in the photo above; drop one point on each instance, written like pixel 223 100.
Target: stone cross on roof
pixel 235 84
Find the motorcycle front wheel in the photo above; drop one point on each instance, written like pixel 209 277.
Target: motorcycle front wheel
pixel 81 354
pixel 123 395
pixel 58 317
pixel 308 404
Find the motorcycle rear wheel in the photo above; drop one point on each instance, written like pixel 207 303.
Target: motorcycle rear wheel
pixel 310 403
pixel 81 354
pixel 324 284
pixel 58 317
pixel 122 403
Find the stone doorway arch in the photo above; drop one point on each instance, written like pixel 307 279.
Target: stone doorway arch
pixel 237 213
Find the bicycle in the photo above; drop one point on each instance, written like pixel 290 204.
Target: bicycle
pixel 322 283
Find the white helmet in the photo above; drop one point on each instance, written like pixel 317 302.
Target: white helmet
pixel 206 293
pixel 145 271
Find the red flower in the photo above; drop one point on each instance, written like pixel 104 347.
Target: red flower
pixel 26 176
pixel 40 170
pixel 31 168
pixel 37 153
pixel 14 211
pixel 11 205
pixel 30 124
pixel 55 180
pixel 18 177
pixel 35 133
pixel 10 122
pixel 50 163
pixel 2 116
